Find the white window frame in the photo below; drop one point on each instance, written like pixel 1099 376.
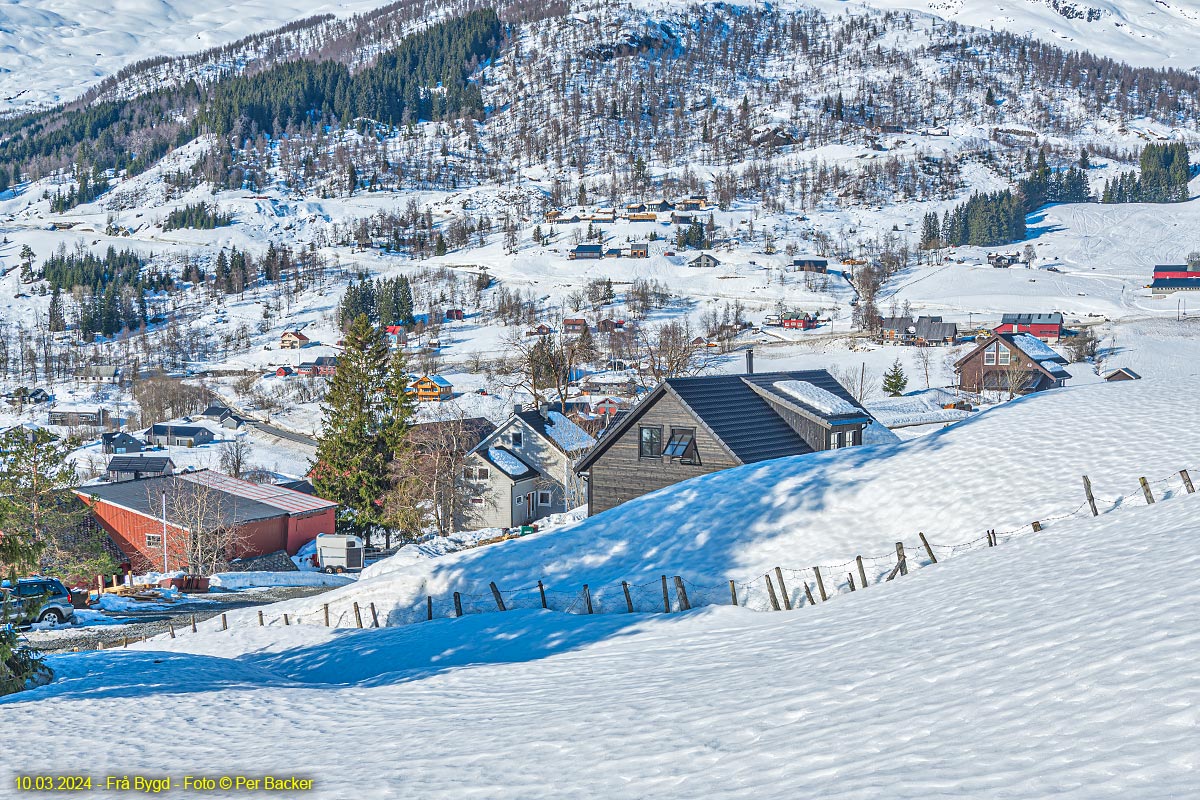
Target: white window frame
pixel 1004 357
pixel 519 500
pixel 835 440
pixel 483 474
pixel 989 356
pixel 153 540
pixel 544 502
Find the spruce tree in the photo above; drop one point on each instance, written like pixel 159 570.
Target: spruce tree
pixel 36 513
pixel 894 380
pixel 366 416
pixel 57 320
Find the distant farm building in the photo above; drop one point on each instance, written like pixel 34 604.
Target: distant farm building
pixel 76 417
pixel 639 250
pixel 811 264
pixel 1122 374
pixel 1170 278
pixel 1047 327
pixel 586 251
pixel 292 340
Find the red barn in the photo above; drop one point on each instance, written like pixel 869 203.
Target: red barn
pixel 267 518
pixel 1047 327
pixel 802 322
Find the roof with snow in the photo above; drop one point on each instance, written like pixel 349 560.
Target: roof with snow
pixel 746 413
pixel 1035 348
pixel 558 430
pixel 508 462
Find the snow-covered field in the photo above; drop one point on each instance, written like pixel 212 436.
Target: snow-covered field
pixel 1039 668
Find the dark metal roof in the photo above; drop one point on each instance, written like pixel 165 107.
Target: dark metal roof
pixel 216 411
pixel 145 497
pixel 144 464
pixel 1054 318
pixel 1175 283
pixel 745 421
pixel 119 436
pixel 177 431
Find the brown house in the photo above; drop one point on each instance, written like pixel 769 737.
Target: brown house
pixel 1012 364
pixel 693 426
pixel 574 325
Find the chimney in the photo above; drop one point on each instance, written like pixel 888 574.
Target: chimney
pixel 518 408
pixel 544 410
pixel 750 361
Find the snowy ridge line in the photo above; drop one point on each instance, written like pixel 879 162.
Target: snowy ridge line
pixel 657 596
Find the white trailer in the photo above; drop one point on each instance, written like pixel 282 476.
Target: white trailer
pixel 339 552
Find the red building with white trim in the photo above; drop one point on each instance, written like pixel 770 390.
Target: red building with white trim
pixel 1047 327
pixel 268 518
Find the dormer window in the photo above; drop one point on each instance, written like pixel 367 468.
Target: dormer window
pixel 515 438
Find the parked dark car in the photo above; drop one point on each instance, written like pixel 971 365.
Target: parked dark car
pixel 43 600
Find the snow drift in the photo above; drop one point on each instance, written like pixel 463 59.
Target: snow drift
pixel 1060 664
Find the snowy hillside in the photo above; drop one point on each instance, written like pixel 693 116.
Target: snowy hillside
pixel 1057 665
pixel 53 51
pixel 1144 32
pixel 1002 471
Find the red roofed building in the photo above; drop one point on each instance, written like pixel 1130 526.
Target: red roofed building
pixel 267 518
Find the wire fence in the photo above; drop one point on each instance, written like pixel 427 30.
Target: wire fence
pixel 780 588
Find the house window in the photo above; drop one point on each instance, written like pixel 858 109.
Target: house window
pixel 835 440
pixel 681 445
pixel 1005 357
pixel 519 500
pixel 543 498
pixel 516 438
pixel 153 540
pixel 649 442
pixel 482 473
pixel 989 356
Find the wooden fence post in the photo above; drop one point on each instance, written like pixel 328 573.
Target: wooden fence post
pixel 326 607
pixel 374 617
pixel 587 598
pixel 1146 491
pixel 862 572
pixel 224 623
pixel 850 577
pixel 193 623
pixel 542 594
pixel 928 549
pixel 1091 498
pixel 733 592
pixel 125 642
pixel 771 593
pixel 1187 481
pixel 496 595
pixel 428 608
pixel 901 559
pixel 171 627
pixel 820 584
pixel 808 593
pixel 681 593
pixel 666 597
pixel 357 615
pixel 285 620
pixel 628 599
pixel 457 604
pixel 260 618
pixel 787 601
pixel 1037 526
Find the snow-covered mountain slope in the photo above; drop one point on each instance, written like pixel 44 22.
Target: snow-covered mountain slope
pixel 1058 665
pixel 51 51
pixel 1002 470
pixel 1150 33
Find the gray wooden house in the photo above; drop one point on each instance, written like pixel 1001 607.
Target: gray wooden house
pixel 693 426
pixel 521 471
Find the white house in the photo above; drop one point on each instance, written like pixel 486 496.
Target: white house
pixel 522 472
